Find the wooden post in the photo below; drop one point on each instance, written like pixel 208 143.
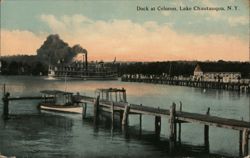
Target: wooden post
pixel 124 95
pixel 4 89
pixel 121 116
pixel 112 115
pixel 107 95
pixel 96 109
pixel 110 95
pixel 84 110
pixel 140 119
pixel 125 116
pixel 116 100
pixel 179 131
pixel 240 143
pixel 157 126
pixel 120 99
pixel 172 122
pixel 206 134
pixel 6 106
pixel 245 142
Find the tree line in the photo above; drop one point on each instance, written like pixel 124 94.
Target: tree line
pixel 23 65
pixel 32 65
pixel 183 68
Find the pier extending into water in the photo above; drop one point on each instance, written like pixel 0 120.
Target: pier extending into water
pixel 242 86
pixel 176 117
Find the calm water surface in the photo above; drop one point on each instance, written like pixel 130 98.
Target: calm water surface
pixel 31 133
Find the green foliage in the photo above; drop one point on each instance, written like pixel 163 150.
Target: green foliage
pixel 184 68
pixel 18 67
pixel 174 68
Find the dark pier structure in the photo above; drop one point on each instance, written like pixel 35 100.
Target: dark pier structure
pixel 232 86
pixel 176 117
pixel 113 101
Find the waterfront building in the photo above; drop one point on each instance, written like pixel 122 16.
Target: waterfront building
pixel 212 74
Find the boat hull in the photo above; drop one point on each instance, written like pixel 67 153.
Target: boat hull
pixel 62 108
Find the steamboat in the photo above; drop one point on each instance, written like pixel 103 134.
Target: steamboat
pixel 84 70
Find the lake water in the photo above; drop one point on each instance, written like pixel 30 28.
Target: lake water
pixel 31 133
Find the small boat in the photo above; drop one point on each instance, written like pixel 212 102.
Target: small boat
pixel 2 156
pixel 59 101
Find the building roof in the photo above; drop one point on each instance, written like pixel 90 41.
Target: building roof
pixel 217 67
pixel 197 68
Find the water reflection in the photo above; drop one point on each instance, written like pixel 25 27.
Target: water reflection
pixel 25 135
pixel 34 134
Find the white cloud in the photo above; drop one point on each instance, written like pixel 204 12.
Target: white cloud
pixel 20 42
pixel 238 20
pixel 129 41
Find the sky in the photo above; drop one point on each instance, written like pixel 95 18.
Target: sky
pixel 115 28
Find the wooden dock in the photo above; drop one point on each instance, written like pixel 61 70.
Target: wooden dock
pixel 233 86
pixel 175 117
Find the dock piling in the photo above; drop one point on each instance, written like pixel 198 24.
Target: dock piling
pixel 240 142
pixel 157 126
pixel 206 133
pixel 124 95
pixel 84 110
pixel 4 89
pixel 245 142
pixel 140 119
pixel 96 109
pixel 6 106
pixel 112 115
pixel 172 135
pixel 179 131
pixel 125 116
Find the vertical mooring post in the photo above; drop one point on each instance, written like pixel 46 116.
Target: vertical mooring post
pixel 172 128
pixel 240 143
pixel 116 100
pixel 107 95
pixel 84 110
pixel 124 95
pixel 96 109
pixel 140 121
pixel 4 89
pixel 112 115
pixel 125 116
pixel 206 134
pixel 121 117
pixel 245 142
pixel 6 106
pixel 157 126
pixel 179 131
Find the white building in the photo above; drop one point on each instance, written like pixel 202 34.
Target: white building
pixel 226 77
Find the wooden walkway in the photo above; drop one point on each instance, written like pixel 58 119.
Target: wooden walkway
pixel 175 117
pixel 180 115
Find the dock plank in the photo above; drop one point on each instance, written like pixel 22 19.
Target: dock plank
pixel 180 116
